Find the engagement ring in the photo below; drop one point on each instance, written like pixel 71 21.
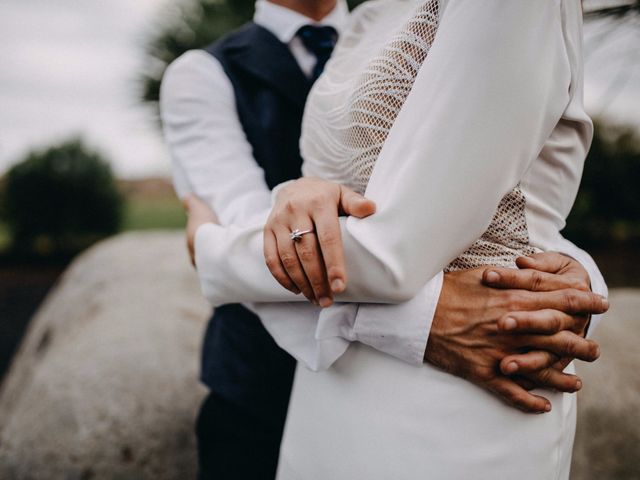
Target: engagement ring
pixel 296 234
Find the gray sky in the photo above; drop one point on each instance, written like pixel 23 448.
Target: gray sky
pixel 70 67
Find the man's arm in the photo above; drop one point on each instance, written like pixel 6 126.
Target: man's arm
pixel 319 337
pixel 214 171
pixel 210 154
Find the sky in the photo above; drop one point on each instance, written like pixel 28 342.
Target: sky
pixel 70 67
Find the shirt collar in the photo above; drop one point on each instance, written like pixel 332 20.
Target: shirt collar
pixel 285 23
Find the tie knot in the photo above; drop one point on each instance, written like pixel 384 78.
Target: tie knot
pixel 318 40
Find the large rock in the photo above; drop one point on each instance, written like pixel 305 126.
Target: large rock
pixel 608 437
pixel 105 385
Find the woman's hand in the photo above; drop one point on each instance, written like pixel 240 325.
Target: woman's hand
pixel 314 264
pixel 198 213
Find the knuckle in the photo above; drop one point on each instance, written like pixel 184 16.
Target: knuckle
pixel 317 284
pixel 335 271
pixel 289 207
pixel 306 255
pixel 516 300
pixel 515 398
pixel 544 376
pixel 556 322
pixel 571 301
pixel 536 280
pixel 569 346
pixel 483 375
pixel 272 262
pixel 318 202
pixel 328 238
pixel 581 284
pixel 288 260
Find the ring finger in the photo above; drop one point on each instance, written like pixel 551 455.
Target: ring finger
pixel 311 259
pixel 291 263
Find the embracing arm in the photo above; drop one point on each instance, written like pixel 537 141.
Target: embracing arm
pixel 494 86
pixel 210 154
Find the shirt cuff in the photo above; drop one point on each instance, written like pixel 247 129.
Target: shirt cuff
pixel 206 238
pixel 400 330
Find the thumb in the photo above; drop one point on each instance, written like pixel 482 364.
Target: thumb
pixel 354 204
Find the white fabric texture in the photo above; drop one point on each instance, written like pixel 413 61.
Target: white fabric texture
pixel 435 192
pixel 496 104
pixel 212 158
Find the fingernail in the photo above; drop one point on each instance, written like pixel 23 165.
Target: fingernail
pixel 597 352
pixel 492 276
pixel 510 323
pixel 578 385
pixel 337 286
pixel 326 302
pixel 547 407
pixel 511 367
pixel 605 303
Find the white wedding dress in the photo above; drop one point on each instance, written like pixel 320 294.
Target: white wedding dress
pixel 464 121
pixel 371 416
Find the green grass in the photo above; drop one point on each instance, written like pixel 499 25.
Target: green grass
pixel 153 213
pixel 165 213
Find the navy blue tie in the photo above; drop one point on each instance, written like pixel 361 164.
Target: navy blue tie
pixel 320 42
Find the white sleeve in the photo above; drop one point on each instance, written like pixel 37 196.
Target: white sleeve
pixel 213 159
pixel 598 285
pixel 210 154
pixel 494 86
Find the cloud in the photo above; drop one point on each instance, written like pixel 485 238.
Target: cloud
pixel 70 67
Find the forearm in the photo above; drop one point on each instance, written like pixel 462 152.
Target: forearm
pixel 210 154
pixel 422 221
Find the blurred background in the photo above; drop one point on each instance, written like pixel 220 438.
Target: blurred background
pixel 82 157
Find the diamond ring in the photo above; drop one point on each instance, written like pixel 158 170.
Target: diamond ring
pixel 296 234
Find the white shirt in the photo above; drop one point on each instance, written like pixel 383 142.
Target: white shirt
pixel 212 158
pixel 211 153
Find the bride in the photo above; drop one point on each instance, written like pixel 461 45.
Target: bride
pixel 463 121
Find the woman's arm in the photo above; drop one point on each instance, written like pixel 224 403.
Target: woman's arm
pixel 494 86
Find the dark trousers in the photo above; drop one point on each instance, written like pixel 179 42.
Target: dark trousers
pixel 236 444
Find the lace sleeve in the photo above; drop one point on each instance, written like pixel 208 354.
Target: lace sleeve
pixel 381 91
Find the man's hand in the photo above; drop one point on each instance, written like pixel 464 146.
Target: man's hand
pixel 315 264
pixel 473 337
pixel 541 272
pixel 198 213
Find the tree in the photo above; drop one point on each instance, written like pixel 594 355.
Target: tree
pixel 60 200
pixel 607 209
pixel 194 24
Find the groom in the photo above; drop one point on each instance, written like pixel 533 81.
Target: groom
pixel 232 116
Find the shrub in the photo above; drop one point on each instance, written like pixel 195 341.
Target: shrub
pixel 60 200
pixel 607 209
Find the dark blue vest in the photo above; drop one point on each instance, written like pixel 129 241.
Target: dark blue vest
pixel 241 362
